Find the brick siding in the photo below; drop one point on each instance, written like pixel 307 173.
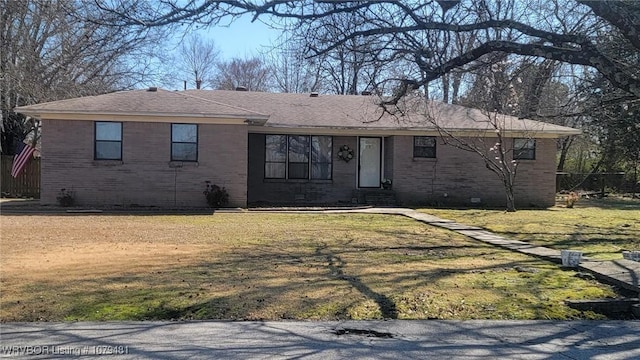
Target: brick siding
pixel 459 174
pixel 230 157
pixel 456 176
pixel 145 176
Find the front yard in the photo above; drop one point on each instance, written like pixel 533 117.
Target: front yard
pixel 270 266
pixel 601 228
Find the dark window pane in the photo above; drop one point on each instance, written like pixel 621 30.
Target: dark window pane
pixel 298 170
pixel 424 152
pixel 321 171
pixel 184 142
pixel 275 166
pixel 321 157
pixel 424 146
pixel 276 148
pixel 184 133
pixel 524 149
pixel 523 144
pixel 429 141
pixel 184 152
pixel 108 150
pixel 288 156
pixel 321 149
pixel 111 131
pixel 274 170
pixel 298 148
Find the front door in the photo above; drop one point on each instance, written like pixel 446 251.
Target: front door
pixel 370 164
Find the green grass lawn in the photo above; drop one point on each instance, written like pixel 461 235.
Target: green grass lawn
pixel 602 229
pixel 270 266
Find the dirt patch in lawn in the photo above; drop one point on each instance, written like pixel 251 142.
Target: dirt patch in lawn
pixel 269 266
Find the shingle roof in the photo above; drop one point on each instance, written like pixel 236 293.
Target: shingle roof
pixel 295 110
pixel 354 111
pixel 143 102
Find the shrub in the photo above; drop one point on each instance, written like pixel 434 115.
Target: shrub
pixel 216 196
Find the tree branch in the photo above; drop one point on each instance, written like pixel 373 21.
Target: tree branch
pixel 587 55
pixel 624 16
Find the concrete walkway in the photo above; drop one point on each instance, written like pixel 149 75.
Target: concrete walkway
pixel 622 273
pixel 396 339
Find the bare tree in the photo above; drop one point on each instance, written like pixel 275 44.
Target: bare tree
pixel 50 51
pixel 565 31
pixel 497 150
pixel 496 91
pixel 251 74
pixel 349 68
pixel 292 72
pixel 198 59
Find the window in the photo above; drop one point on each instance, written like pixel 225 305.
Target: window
pixel 298 157
pixel 184 142
pixel 275 164
pixel 321 155
pixel 524 149
pixel 424 146
pixel 108 140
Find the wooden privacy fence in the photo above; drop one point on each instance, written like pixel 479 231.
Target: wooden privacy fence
pixel 27 184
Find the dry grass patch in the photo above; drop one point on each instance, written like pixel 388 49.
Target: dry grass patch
pixel 269 266
pixel 602 229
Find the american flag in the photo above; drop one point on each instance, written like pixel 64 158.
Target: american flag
pixel 21 158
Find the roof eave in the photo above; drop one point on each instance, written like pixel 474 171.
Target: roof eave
pixel 390 131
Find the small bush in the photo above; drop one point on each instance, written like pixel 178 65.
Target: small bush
pixel 216 196
pixel 572 199
pixel 65 198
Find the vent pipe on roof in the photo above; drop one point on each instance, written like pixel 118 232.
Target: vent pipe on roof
pixel 313 94
pixel 198 84
pixel 152 89
pixel 241 88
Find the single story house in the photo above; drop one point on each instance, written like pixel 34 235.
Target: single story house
pixel 155 147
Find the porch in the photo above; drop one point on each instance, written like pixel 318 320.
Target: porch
pixel 319 170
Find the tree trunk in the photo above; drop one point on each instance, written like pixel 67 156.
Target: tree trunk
pixel 565 144
pixel 511 200
pixel 508 190
pixel 635 177
pixel 445 88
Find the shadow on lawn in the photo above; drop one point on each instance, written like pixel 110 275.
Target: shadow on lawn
pixel 609 203
pixel 580 236
pixel 336 267
pixel 60 211
pixel 245 285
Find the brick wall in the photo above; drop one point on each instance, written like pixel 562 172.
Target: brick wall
pixel 145 176
pixel 455 176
